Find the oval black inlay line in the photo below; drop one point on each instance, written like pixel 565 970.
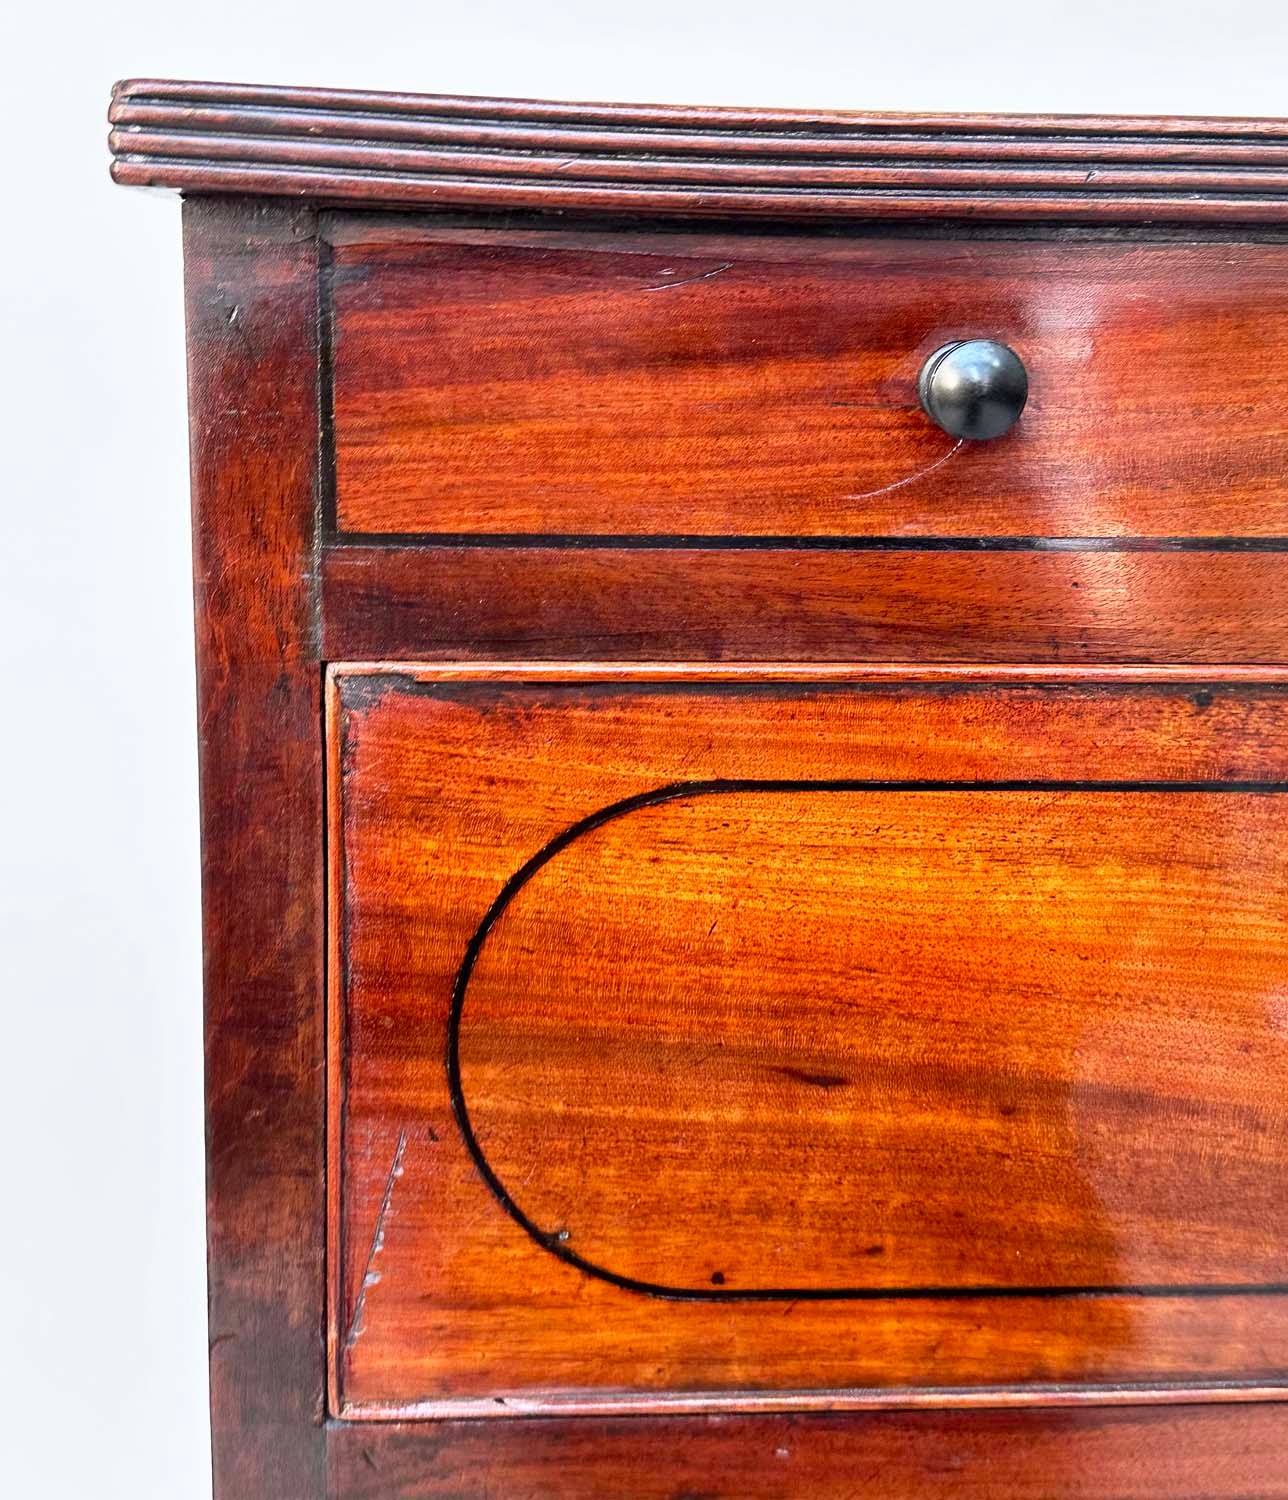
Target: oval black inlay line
pixel 555 1243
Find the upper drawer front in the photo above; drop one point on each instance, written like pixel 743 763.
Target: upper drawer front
pixel 522 383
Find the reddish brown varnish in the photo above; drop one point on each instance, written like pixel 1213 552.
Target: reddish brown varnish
pixel 567 513
pixel 1131 1453
pixel 601 604
pixel 747 1037
pixel 870 1040
pixel 254 421
pixel 636 160
pixel 505 382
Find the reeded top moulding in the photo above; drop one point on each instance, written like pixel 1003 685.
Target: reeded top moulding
pixel 440 151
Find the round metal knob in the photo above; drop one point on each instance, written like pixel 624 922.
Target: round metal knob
pixel 974 388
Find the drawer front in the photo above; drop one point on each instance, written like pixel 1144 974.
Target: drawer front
pixel 1127 1453
pixel 665 385
pixel 704 1044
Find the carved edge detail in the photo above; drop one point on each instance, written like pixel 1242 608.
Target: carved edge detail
pixel 441 151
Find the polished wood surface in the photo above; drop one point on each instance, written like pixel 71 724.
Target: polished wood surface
pixel 708 604
pixel 862 1040
pixel 1186 1453
pixel 445 151
pixel 518 383
pixel 744 941
pixel 715 1042
pixel 250 276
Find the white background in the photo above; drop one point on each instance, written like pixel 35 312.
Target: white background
pixel 102 1335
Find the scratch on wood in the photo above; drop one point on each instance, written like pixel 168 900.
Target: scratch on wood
pixel 666 286
pixel 370 1275
pixel 910 478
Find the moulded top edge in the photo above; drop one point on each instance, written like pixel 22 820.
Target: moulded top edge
pixel 452 152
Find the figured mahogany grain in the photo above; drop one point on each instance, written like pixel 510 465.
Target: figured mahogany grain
pixel 1052 1062
pixel 251 278
pixel 777 995
pixel 511 382
pixel 1179 1453
pixel 692 604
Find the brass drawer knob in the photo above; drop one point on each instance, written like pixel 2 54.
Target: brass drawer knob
pixel 974 388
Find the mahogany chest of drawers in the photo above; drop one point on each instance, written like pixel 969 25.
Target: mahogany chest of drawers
pixel 743 683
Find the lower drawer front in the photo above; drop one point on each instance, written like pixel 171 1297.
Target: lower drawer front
pixel 1234 1452
pixel 802 1043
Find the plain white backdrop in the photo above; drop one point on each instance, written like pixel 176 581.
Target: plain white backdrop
pixel 102 1275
